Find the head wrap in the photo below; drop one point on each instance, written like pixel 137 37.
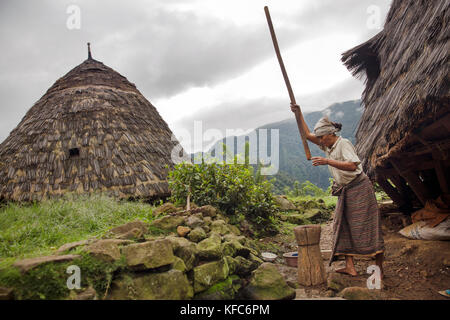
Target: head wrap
pixel 324 126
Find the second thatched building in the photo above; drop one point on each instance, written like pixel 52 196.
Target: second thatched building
pixel 92 131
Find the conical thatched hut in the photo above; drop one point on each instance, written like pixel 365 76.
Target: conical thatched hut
pixel 404 132
pixel 91 131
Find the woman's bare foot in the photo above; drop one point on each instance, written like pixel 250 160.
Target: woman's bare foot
pixel 348 271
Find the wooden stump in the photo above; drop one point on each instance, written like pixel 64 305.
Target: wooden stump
pixel 311 271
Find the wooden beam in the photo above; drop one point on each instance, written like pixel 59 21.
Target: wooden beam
pixel 414 182
pixel 416 164
pixel 442 176
pixel 442 122
pixel 390 190
pixel 405 191
pixel 400 184
pixel 386 171
pixel 441 172
pixel 430 180
pixel 442 145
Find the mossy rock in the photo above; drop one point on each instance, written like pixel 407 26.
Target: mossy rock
pixel 149 255
pixel 209 211
pixel 220 227
pixel 244 266
pixel 168 223
pixel 358 293
pixel 184 249
pixel 83 294
pixel 197 235
pixel 170 285
pixel 210 248
pixel 26 265
pixel 182 231
pixel 337 282
pixel 207 221
pixel 49 281
pixel 255 259
pixel 233 248
pixel 298 219
pixel 232 264
pixel 283 203
pixel 231 236
pixel 167 207
pixel 194 221
pixel 311 204
pixel 126 228
pixel 107 249
pixel 267 283
pixel 224 290
pixel 210 273
pixel 179 264
pixel 235 230
pixel 317 215
pixel 6 294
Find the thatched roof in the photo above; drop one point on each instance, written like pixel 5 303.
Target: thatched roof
pixel 406 67
pixel 91 131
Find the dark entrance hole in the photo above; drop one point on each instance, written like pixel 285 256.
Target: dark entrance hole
pixel 74 152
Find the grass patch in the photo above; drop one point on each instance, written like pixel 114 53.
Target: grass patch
pixel 329 200
pixel 28 230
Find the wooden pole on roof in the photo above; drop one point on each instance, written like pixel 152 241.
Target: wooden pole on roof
pixel 298 115
pixel 89 51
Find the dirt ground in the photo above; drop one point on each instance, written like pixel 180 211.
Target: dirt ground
pixel 414 269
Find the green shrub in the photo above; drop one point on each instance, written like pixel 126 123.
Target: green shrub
pixel 232 188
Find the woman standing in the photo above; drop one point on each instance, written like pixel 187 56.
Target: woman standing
pixel 357 222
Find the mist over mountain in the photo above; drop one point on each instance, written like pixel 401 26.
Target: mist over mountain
pixel 292 165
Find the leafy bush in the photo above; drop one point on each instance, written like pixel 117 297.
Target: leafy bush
pixel 232 188
pixel 307 188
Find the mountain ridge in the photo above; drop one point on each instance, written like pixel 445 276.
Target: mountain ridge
pixel 293 165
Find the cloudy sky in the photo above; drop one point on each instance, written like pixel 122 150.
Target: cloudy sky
pixel 194 60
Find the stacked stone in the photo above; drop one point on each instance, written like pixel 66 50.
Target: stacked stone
pixel 202 257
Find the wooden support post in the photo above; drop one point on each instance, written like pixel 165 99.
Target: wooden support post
pixel 311 271
pixel 414 182
pixel 188 200
pixel 442 176
pixel 441 173
pixel 405 191
pixel 390 190
pixel 401 186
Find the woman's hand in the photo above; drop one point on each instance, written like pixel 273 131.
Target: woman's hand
pixel 295 108
pixel 341 165
pixel 319 161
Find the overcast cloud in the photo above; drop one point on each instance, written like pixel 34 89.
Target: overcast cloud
pixel 208 60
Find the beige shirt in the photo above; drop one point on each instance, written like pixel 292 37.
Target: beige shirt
pixel 342 150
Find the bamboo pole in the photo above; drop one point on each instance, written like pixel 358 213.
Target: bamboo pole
pixel 298 115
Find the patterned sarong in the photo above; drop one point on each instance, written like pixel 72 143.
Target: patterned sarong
pixel 357 221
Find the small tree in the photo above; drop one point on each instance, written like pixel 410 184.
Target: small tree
pixel 230 187
pixel 310 189
pixel 296 189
